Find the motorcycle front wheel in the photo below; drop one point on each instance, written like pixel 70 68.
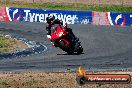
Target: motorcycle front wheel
pixel 66 48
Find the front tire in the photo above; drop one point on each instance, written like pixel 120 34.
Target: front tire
pixel 66 47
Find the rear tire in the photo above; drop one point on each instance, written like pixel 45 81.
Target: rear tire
pixel 80 50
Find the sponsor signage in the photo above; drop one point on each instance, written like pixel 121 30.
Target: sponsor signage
pixel 71 17
pixel 83 78
pixel 112 18
pixel 39 15
pixel 120 19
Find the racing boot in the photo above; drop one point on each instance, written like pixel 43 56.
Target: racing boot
pixel 76 39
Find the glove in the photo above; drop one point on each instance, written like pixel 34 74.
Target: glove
pixel 49 36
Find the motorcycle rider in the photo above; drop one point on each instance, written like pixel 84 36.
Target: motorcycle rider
pixel 52 21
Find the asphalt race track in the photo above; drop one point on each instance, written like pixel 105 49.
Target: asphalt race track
pixel 105 48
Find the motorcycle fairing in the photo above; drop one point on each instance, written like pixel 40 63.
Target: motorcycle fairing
pixel 59 30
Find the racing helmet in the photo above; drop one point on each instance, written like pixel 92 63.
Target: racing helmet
pixel 51 16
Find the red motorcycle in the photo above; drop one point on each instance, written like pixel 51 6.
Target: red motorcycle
pixel 64 40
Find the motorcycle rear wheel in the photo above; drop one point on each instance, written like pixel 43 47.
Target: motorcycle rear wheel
pixel 80 50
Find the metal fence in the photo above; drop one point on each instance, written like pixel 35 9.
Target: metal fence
pixel 87 2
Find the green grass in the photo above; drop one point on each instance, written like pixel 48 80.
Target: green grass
pixel 3 82
pixel 102 8
pixel 6 44
pixel 29 82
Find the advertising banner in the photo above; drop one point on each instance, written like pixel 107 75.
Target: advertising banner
pixel 3 14
pixel 100 18
pixel 39 15
pixel 120 19
pixel 71 17
pixel 112 18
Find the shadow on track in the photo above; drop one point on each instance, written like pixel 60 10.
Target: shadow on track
pixel 70 54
